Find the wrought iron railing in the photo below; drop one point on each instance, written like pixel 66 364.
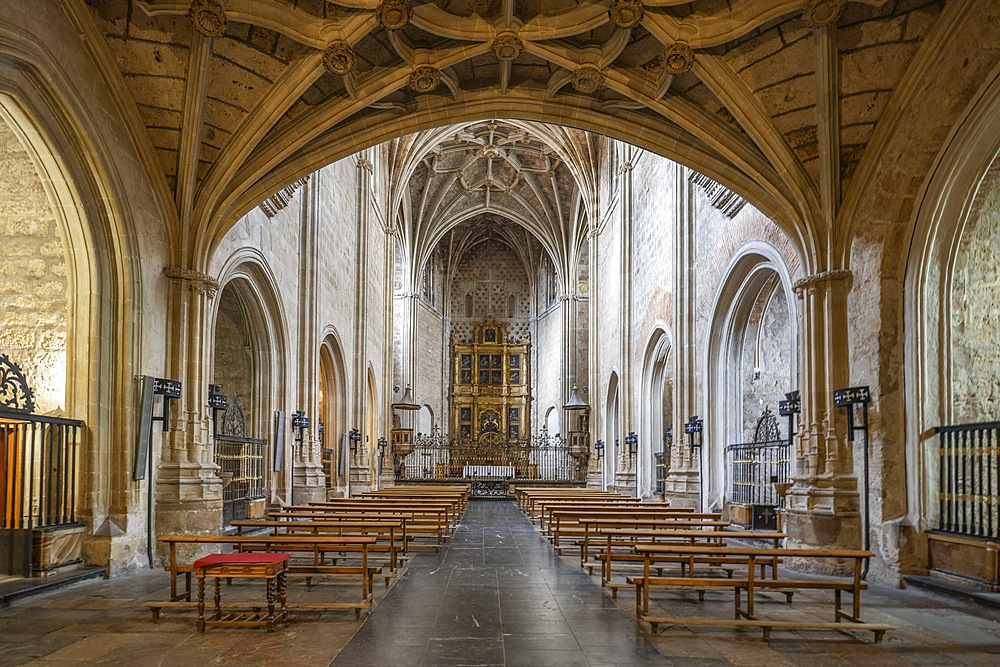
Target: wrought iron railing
pixel 544 458
pixel 754 469
pixel 662 467
pixel 241 463
pixel 969 479
pixel 38 474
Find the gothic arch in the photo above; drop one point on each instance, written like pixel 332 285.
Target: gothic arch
pixel 612 430
pixel 966 171
pixel 655 407
pixel 95 210
pixel 247 280
pixel 756 274
pixel 333 404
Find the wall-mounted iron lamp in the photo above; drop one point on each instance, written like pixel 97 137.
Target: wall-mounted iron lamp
pixel 300 424
pixel 382 444
pixel 321 430
pixel 791 406
pixel 849 398
pixel 693 429
pixel 218 402
pixel 355 438
pixel 599 449
pixel 632 442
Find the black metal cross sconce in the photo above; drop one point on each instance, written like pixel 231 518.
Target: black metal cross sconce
pixel 217 402
pixel 170 390
pixel 599 449
pixel 850 398
pixel 355 438
pixel 632 442
pixel 300 424
pixel 382 444
pixel 693 428
pixel 791 406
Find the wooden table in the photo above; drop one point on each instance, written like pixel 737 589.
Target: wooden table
pixel 272 567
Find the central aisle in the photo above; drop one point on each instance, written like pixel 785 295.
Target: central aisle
pixel 496 594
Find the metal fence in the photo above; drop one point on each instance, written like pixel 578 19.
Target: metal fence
pixel 969 479
pixel 543 458
pixel 754 469
pixel 38 474
pixel 241 461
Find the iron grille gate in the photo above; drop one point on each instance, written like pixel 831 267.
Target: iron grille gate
pixel 38 470
pixel 543 458
pixel 241 464
pixel 755 467
pixel 969 479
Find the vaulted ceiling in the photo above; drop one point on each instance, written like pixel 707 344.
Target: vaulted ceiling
pixel 517 179
pixel 778 99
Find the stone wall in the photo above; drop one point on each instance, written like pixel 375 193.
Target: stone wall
pixel 766 357
pixel 975 315
pixel 547 374
pixel 488 275
pixel 432 365
pixel 33 280
pixel 232 361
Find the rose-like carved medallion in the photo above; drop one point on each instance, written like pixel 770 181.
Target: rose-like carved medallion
pixel 208 17
pixel 507 46
pixel 626 13
pixel 587 79
pixel 425 79
pixel 818 13
pixel 677 58
pixel 339 58
pixel 393 14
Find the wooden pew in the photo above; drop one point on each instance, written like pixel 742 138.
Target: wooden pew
pixel 312 545
pixel 393 531
pixel 570 526
pixel 424 522
pixel 609 544
pixel 749 582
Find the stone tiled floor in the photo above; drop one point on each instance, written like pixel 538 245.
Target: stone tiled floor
pixel 496 595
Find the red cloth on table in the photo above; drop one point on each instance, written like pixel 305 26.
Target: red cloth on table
pixel 221 559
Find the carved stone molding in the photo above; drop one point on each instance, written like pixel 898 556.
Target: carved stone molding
pixel 719 195
pixel 393 14
pixel 818 13
pixel 626 13
pixel 507 46
pixel 677 58
pixel 339 58
pixel 425 79
pixel 197 281
pixel 587 79
pixel 366 165
pixel 208 17
pixel 822 278
pixel 281 198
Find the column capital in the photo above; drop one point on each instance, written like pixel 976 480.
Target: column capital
pixel 197 281
pixel 822 278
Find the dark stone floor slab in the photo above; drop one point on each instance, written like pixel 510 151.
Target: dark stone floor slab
pixel 497 594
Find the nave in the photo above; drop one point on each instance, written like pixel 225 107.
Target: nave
pixel 495 594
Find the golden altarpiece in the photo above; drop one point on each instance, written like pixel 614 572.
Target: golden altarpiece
pixel 491 397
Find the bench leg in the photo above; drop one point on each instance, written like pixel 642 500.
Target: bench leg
pixel 270 586
pixel 218 600
pixel 201 603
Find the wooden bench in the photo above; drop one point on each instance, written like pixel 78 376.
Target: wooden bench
pixel 392 532
pixel 575 530
pixel 426 523
pixel 748 581
pixel 314 546
pixel 610 544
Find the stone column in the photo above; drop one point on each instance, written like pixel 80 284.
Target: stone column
pixel 358 464
pixel 595 470
pixel 822 506
pixel 188 490
pixel 683 483
pixel 625 478
pixel 308 481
